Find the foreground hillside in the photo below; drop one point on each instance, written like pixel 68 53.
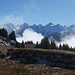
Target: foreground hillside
pixel 36 62
pixel 55 58
pixel 15 68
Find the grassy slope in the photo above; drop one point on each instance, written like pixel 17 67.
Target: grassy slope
pixel 15 68
pixel 8 67
pixel 4 48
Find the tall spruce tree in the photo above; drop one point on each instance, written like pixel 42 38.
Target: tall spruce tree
pixel 65 47
pixel 12 36
pixel 23 45
pixel 37 45
pixel 53 45
pixel 45 43
pixel 4 33
pixel 60 47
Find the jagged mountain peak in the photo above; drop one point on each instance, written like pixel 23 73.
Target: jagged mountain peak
pixel 9 27
pixel 7 24
pixel 25 24
pixel 50 24
pixel 39 24
pixel 48 30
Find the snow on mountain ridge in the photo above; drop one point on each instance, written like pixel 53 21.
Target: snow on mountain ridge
pixel 7 27
pixel 62 34
pixel 48 30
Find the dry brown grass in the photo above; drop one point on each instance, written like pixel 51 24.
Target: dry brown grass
pixel 15 68
pixel 8 67
pixel 4 48
pixel 48 50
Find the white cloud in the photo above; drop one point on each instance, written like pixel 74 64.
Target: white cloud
pixel 70 40
pixel 11 19
pixel 30 35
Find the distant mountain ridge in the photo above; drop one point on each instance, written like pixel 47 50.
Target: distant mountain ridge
pixel 50 30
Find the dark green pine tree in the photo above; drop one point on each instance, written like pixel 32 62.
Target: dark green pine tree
pixel 37 45
pixel 65 47
pixel 29 42
pixel 12 36
pixel 60 47
pixel 23 45
pixel 4 33
pixel 53 45
pixel 45 43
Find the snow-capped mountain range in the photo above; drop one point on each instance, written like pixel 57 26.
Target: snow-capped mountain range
pixel 50 30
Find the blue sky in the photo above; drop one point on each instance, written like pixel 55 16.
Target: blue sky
pixel 37 11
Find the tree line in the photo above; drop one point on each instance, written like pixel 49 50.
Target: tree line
pixel 44 44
